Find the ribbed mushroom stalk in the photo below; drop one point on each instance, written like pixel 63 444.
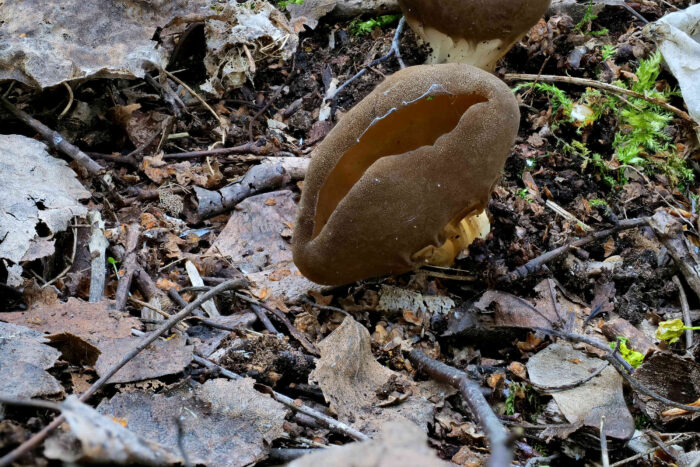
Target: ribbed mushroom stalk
pixel 390 187
pixel 476 32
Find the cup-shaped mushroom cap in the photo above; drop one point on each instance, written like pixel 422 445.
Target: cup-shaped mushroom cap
pixel 477 32
pixel 401 170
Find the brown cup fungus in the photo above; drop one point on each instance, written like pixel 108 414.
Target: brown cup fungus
pixel 405 175
pixel 476 32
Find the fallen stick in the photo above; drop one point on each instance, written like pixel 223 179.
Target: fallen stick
pixel 130 266
pixel 259 178
pixel 331 423
pixel 98 248
pixel 38 437
pixel 501 454
pixel 53 138
pixel 248 148
pixel 535 264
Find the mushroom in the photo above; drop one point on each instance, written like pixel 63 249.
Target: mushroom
pixel 477 32
pixel 390 187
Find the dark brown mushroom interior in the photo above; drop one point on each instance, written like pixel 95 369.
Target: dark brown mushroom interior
pixel 405 129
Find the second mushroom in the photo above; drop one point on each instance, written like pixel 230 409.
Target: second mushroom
pixel 476 32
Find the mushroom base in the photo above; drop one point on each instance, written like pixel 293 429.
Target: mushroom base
pixel 484 54
pixel 459 236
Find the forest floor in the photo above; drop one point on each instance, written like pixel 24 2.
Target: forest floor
pixel 586 161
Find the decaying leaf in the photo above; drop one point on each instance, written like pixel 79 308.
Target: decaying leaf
pixel 398 445
pixel 40 195
pixel 48 42
pixel 561 364
pixel 309 12
pixel 678 37
pixel 92 332
pixel 256 26
pixel 24 357
pixel 90 321
pixel 351 380
pixel 252 238
pixel 163 357
pixel 95 438
pixel 224 422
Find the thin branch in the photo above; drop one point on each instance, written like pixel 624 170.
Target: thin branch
pixel 685 308
pixel 198 97
pixel 535 264
pixel 605 459
pixel 53 138
pixel 263 318
pixel 394 51
pixel 247 148
pixel 298 335
pixel 130 266
pixel 331 423
pixel 38 437
pixel 36 403
pixel 501 454
pixel 597 84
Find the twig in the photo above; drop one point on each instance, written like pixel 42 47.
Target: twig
pixel 168 94
pixel 247 148
pixel 394 51
pixel 36 403
pixel 196 280
pixel 597 84
pixel 647 452
pixel 334 309
pixel 200 99
pixel 177 298
pixel 605 459
pixel 53 138
pixel 38 437
pixel 685 308
pixel 130 264
pixel 501 454
pixel 70 100
pixel 331 423
pixel 259 178
pixel 263 318
pixel 535 264
pixel 575 384
pixel 298 335
pixel 97 247
pixel 668 231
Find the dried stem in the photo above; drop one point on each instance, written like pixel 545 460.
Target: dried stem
pixel 130 266
pixel 685 308
pixel 501 454
pixel 53 138
pixel 331 423
pixel 535 264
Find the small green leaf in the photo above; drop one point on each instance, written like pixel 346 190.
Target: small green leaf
pixel 672 330
pixel 632 357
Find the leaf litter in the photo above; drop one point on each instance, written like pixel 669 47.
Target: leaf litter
pixel 265 76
